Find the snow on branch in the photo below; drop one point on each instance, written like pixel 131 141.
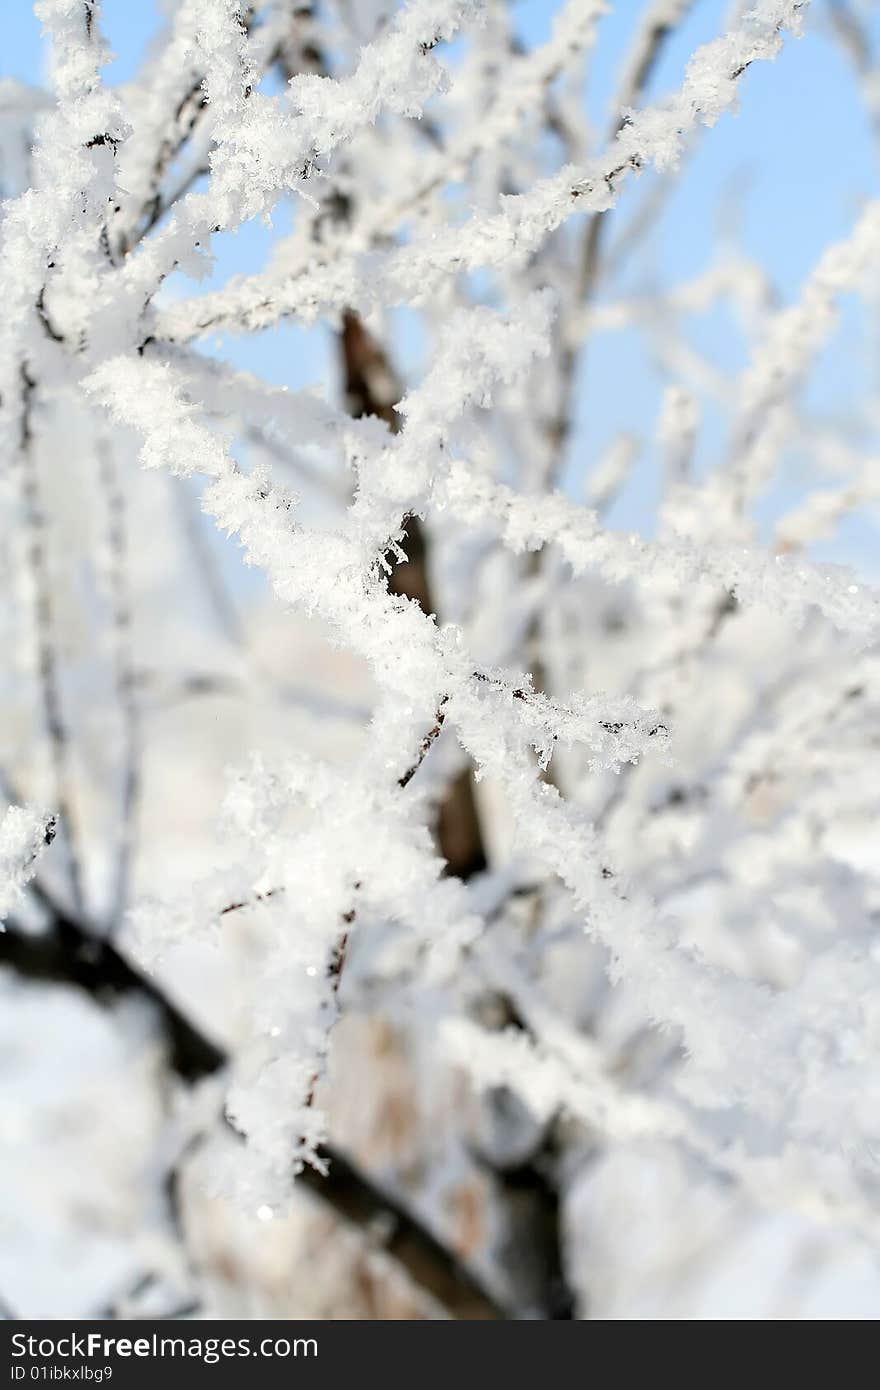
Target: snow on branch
pixel 412 273
pixel 264 145
pixel 792 342
pixel 776 582
pixel 24 834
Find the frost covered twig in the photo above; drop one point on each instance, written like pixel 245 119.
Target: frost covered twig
pixel 23 836
pixel 754 578
pixel 410 274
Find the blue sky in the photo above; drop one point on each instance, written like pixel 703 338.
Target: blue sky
pixel 781 178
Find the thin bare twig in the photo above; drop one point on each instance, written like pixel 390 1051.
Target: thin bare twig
pixel 426 744
pixel 126 695
pixel 48 674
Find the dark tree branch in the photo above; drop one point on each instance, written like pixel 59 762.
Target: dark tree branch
pixel 67 954
pixel 411 1245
